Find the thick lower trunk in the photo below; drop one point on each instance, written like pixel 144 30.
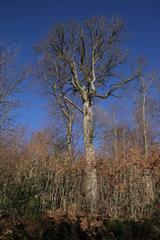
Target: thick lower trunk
pixel 91 176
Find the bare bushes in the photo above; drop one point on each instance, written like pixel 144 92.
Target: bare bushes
pixel 32 182
pixel 41 185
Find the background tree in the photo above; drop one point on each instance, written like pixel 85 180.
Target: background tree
pixel 48 72
pixel 11 76
pixel 90 55
pixel 146 113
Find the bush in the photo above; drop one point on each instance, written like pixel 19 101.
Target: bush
pixel 20 197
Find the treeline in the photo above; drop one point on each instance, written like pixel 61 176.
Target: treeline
pixel 117 173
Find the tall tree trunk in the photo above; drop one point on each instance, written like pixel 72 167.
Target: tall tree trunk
pixel 69 133
pixel 145 138
pixel 91 175
pixel 147 178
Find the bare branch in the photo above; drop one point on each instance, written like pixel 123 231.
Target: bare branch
pixel 73 104
pixel 117 86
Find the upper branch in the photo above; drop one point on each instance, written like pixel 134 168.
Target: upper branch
pixel 117 86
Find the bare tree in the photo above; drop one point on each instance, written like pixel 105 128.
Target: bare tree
pixel 146 112
pixel 53 76
pixel 147 116
pixel 11 77
pixel 68 114
pixel 89 55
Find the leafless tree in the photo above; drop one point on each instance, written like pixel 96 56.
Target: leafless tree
pixel 88 57
pixel 53 76
pixel 11 77
pixel 146 112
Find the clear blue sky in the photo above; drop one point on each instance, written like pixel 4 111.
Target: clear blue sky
pixel 25 22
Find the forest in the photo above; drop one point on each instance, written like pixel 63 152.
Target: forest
pixel 93 171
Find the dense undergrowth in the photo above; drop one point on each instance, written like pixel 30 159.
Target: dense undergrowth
pixel 58 225
pixel 42 196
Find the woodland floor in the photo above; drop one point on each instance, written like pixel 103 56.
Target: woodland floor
pixel 58 225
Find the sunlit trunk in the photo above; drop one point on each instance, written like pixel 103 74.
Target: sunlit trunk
pixel 91 176
pixel 69 134
pixel 144 126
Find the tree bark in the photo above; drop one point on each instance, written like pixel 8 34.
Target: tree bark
pixel 69 133
pixel 145 138
pixel 91 175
